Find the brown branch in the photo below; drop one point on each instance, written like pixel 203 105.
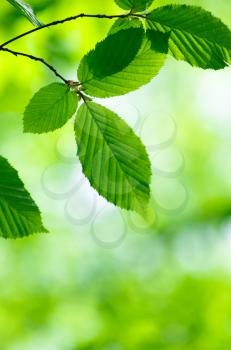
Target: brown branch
pixel 68 19
pixel 54 23
pixel 37 59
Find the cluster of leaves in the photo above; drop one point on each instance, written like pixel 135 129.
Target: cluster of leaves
pixel 113 158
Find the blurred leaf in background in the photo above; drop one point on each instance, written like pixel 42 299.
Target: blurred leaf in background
pixel 27 11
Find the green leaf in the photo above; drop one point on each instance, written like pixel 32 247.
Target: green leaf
pixel 114 53
pixel 134 5
pixel 19 215
pixel 113 157
pixel 27 11
pixel 50 108
pixel 146 64
pixel 196 35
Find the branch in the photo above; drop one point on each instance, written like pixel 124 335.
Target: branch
pixel 68 19
pixel 54 23
pixel 37 59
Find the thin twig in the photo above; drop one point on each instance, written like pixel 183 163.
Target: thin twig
pixel 38 59
pixel 68 19
pixel 54 23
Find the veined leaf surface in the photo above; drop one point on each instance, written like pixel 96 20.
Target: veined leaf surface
pixel 19 215
pixel 196 36
pixel 146 64
pixel 113 157
pixel 50 108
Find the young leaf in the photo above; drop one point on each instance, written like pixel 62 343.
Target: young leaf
pixel 134 5
pixel 19 215
pixel 146 64
pixel 115 52
pixel 113 157
pixel 50 108
pixel 27 11
pixel 196 35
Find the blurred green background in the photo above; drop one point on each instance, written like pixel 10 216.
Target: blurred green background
pixel 103 279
